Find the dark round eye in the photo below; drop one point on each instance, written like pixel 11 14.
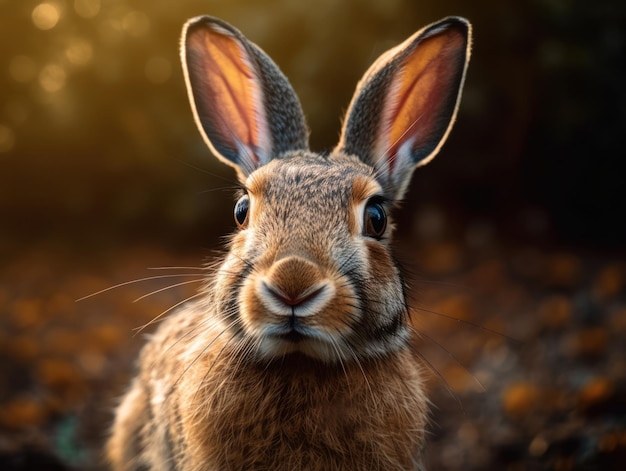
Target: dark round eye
pixel 374 220
pixel 241 211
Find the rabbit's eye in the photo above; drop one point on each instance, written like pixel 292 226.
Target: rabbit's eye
pixel 375 220
pixel 241 211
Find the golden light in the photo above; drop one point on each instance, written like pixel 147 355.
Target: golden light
pixel 158 70
pixel 46 15
pixel 110 31
pixel 22 69
pixel 52 78
pixel 87 8
pixel 79 52
pixel 7 139
pixel 136 23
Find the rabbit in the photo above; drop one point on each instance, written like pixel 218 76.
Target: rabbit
pixel 298 353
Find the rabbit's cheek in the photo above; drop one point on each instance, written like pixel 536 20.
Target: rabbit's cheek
pixel 383 279
pixel 380 263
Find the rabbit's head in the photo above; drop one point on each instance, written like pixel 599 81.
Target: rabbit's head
pixel 310 270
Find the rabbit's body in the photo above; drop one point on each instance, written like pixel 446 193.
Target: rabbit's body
pixel 292 414
pixel 298 353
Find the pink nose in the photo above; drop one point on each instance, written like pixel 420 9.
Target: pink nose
pixel 291 300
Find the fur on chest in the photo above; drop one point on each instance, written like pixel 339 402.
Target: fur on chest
pixel 297 414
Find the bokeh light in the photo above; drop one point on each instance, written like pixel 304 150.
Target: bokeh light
pixel 52 78
pixel 136 23
pixel 46 15
pixel 79 52
pixel 87 8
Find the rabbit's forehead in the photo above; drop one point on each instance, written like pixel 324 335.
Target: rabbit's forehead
pixel 314 180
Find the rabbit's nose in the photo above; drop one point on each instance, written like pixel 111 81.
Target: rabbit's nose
pixel 295 286
pixel 297 300
pixel 294 276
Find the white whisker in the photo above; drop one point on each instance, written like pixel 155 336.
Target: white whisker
pixel 141 328
pixel 140 280
pixel 463 321
pixel 217 357
pixel 166 288
pixel 451 355
pixel 360 366
pixel 176 268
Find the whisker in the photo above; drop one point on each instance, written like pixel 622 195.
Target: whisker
pixel 422 333
pixel 360 366
pixel 210 369
pixel 180 338
pixel 168 287
pixel 196 330
pixel 204 350
pixel 249 264
pixel 346 262
pixel 215 175
pixel 243 349
pixel 140 280
pixel 333 344
pixel 466 322
pixel 434 370
pixel 222 188
pixel 176 268
pixel 153 320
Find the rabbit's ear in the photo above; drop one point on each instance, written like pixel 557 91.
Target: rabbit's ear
pixel 244 106
pixel 406 102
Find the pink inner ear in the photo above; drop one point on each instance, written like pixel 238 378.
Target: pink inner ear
pixel 227 94
pixel 421 99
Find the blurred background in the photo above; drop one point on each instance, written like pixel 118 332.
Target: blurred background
pixel 518 226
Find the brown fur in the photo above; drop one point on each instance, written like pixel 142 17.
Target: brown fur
pixel 204 398
pixel 297 355
pixel 290 414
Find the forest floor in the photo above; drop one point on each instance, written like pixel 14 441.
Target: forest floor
pixel 524 347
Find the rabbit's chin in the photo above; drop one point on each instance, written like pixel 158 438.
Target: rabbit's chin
pixel 277 347
pixel 275 344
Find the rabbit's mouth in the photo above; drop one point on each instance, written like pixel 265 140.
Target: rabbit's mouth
pixel 278 341
pixel 293 336
pixel 292 332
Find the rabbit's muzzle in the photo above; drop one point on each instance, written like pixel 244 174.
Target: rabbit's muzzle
pixel 293 306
